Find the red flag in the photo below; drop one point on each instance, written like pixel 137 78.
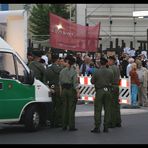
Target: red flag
pixel 70 36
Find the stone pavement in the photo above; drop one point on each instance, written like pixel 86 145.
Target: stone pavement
pixel 88 110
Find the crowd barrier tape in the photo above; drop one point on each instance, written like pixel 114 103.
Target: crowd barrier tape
pixel 87 90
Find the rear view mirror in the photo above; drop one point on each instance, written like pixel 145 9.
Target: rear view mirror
pixel 31 77
pixel 4 74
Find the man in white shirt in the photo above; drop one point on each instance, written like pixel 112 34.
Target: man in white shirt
pixel 130 61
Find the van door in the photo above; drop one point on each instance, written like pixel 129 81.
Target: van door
pixel 14 92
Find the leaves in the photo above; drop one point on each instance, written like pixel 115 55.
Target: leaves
pixel 39 19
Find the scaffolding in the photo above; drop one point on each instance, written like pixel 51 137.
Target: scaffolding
pixel 117 21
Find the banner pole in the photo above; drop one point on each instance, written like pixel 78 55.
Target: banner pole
pixel 98 34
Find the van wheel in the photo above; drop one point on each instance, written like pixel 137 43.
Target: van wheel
pixel 32 119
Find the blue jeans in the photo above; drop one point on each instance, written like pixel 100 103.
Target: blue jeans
pixel 134 93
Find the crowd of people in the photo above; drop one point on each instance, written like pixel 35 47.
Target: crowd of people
pixel 61 76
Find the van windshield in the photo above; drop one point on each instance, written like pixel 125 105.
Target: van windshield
pixel 7 68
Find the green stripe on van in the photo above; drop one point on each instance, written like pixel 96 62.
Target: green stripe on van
pixel 13 97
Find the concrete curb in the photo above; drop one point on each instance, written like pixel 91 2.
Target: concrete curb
pixel 123 112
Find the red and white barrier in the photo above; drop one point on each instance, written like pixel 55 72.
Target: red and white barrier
pixel 87 90
pixel 85 80
pixel 125 91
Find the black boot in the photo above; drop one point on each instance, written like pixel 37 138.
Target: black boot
pixel 118 125
pixel 105 130
pixel 111 126
pixel 73 129
pixel 95 130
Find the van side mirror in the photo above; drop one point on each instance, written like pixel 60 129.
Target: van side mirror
pixel 31 78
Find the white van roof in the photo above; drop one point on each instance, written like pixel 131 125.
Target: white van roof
pixel 5 45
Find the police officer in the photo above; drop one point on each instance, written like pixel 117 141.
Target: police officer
pixel 115 120
pixel 39 72
pixel 52 78
pixel 69 93
pixel 102 79
pixel 37 67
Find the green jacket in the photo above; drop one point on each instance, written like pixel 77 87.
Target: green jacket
pixel 116 73
pixel 102 77
pixel 69 76
pixel 38 69
pixel 52 74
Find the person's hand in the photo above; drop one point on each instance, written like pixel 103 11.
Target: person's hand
pixel 52 90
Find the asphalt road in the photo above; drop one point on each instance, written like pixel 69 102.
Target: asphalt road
pixel 134 130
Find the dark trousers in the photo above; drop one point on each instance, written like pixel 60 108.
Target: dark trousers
pixel 115 115
pixel 69 106
pixel 103 99
pixel 56 107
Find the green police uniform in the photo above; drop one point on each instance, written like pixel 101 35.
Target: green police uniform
pixel 102 79
pixel 115 106
pixel 69 83
pixel 39 70
pixel 52 78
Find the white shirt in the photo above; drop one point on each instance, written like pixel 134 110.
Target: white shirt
pixel 128 69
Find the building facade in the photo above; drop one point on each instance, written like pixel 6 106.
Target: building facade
pixel 4 7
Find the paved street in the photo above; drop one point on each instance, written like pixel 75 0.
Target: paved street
pixel 88 110
pixel 134 130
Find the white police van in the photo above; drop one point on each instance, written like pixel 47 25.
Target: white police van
pixel 23 99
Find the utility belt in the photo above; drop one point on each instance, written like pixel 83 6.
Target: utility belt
pixel 67 86
pixel 105 88
pixel 53 85
pixel 116 84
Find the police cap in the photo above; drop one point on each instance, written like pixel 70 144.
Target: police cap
pixel 103 61
pixel 54 57
pixel 37 53
pixel 71 59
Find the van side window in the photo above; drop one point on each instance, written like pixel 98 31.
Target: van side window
pixel 7 68
pixel 21 71
pixel 12 68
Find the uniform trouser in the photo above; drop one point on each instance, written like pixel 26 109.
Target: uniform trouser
pixel 69 100
pixel 57 107
pixel 115 115
pixel 103 99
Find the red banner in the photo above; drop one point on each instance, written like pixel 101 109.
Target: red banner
pixel 70 36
